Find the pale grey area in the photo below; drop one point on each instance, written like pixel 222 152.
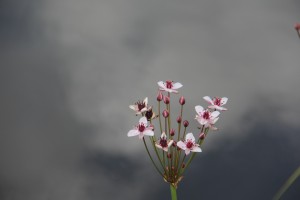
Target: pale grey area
pixel 69 70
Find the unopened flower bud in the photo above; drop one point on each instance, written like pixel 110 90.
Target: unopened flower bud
pixel 297 26
pixel 165 113
pixel 169 155
pixel 179 119
pixel 174 143
pixel 182 100
pixel 185 123
pixel 183 165
pixel 202 136
pixel 159 96
pixel 149 114
pixel 172 132
pixel 166 99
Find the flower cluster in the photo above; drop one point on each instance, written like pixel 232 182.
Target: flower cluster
pixel 172 149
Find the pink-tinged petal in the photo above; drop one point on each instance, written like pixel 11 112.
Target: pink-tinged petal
pixel 208 99
pixel 213 128
pixel 224 100
pixel 170 143
pixel 163 135
pixel 177 86
pixel 161 84
pixel 214 114
pixel 133 132
pixel 146 101
pixel 202 121
pixel 158 146
pixel 148 132
pixel 190 137
pixel 181 145
pixel 143 120
pixel 213 121
pixel 165 149
pixel 219 108
pixel 133 107
pixel 199 109
pixel 196 149
pixel 173 91
pixel 187 151
pixel 141 135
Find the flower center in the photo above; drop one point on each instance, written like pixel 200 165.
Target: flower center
pixel 217 101
pixel 169 84
pixel 141 127
pixel 163 143
pixel 189 144
pixel 206 115
pixel 140 105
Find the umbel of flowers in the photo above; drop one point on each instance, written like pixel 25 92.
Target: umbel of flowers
pixel 174 147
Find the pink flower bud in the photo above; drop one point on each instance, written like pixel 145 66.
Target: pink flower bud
pixel 172 132
pixel 183 165
pixel 179 119
pixel 169 155
pixel 297 26
pixel 159 96
pixel 202 136
pixel 185 123
pixel 182 100
pixel 166 99
pixel 165 113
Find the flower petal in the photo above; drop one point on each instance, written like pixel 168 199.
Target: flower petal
pixel 190 137
pixel 177 85
pixel 162 85
pixel 199 109
pixel 187 151
pixel 208 99
pixel 158 146
pixel 196 149
pixel 148 132
pixel 143 120
pixel 214 114
pixel 146 101
pixel 133 132
pixel 181 145
pixel 224 100
pixel 170 143
pixel 133 107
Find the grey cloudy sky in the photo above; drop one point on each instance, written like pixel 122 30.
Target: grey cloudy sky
pixel 70 68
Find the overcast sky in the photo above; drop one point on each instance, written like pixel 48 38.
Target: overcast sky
pixel 70 68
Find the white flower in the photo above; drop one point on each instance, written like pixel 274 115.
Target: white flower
pixel 216 102
pixel 189 144
pixel 169 86
pixel 163 143
pixel 141 129
pixel 140 107
pixel 205 117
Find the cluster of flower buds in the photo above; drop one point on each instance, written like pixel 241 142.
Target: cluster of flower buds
pixel 173 144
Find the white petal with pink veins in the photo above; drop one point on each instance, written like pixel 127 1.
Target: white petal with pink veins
pixel 148 132
pixel 181 145
pixel 196 149
pixel 224 101
pixel 143 120
pixel 133 133
pixel 214 114
pixel 187 151
pixel 198 109
pixel 208 99
pixel 177 86
pixel 161 84
pixel 190 137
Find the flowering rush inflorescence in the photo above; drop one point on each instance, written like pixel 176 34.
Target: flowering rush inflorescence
pixel 174 150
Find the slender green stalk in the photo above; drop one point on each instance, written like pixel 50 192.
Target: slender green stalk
pixel 152 158
pixel 159 117
pixel 287 184
pixel 173 192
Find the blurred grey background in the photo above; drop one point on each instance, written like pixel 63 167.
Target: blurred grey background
pixel 70 68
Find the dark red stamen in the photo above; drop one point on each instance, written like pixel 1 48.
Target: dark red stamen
pixel 169 84
pixel 141 127
pixel 140 105
pixel 163 143
pixel 189 144
pixel 217 101
pixel 206 115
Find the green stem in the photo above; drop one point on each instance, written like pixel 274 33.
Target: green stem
pixel 173 192
pixel 152 158
pixel 287 184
